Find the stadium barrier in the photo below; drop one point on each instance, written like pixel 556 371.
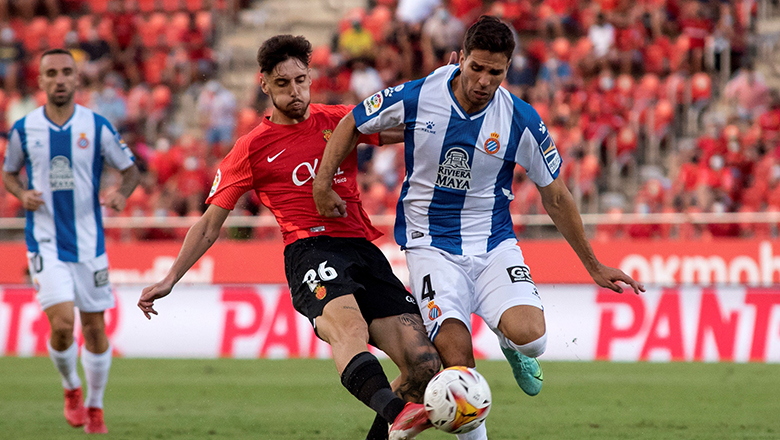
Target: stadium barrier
pixel 748 262
pixel 584 322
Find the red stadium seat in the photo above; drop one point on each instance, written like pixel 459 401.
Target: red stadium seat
pixel 194 5
pixel 84 24
pixel 34 34
pixel 701 87
pixel 146 5
pixel 58 29
pixel 161 97
pixel 98 6
pixel 106 29
pixel 170 5
pixel 203 22
pixel 624 84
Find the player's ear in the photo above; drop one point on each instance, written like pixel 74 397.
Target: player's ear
pixel 264 84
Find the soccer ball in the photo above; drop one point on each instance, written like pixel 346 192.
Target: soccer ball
pixel 457 400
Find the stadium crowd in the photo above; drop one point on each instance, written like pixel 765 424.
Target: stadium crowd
pixel 655 105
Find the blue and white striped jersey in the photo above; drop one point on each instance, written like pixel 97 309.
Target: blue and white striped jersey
pixel 65 163
pixel 459 167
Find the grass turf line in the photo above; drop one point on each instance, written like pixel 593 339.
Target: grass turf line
pixel 302 399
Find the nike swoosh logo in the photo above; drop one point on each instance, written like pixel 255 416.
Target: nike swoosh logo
pixel 273 158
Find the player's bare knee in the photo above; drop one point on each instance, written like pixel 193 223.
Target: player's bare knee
pixel 526 334
pixel 93 332
pixel 61 327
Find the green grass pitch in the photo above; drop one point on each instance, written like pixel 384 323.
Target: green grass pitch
pixel 302 399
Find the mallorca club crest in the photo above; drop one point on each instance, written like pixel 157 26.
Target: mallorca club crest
pixel 320 292
pixel 83 142
pixel 492 145
pixel 326 134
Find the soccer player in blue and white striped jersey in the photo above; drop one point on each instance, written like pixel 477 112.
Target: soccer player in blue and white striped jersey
pixel 464 135
pixel 63 147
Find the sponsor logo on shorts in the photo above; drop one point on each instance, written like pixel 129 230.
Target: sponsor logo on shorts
pixel 36 263
pixel 317 229
pixel 519 274
pixel 101 277
pixel 409 299
pixel 492 145
pixel 433 311
pixel 373 103
pixel 320 292
pixel 417 234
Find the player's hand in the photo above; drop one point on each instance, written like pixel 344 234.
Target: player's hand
pixel 114 200
pixel 606 276
pixel 328 203
pixel 31 199
pixel 151 293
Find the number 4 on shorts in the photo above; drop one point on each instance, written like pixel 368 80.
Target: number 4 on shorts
pixel 427 289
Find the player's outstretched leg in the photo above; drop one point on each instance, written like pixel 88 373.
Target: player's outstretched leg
pixel 410 422
pixel 527 371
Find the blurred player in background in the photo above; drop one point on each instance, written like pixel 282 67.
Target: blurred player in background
pixel 63 147
pixel 338 279
pixel 464 135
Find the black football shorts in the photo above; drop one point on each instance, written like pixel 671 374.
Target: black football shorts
pixel 322 268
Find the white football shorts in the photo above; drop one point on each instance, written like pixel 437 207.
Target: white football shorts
pixel 85 283
pixel 455 286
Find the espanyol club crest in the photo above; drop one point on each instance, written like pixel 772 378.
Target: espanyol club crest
pixel 433 311
pixel 492 145
pixel 83 142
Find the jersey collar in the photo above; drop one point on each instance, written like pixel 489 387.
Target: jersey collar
pixel 63 126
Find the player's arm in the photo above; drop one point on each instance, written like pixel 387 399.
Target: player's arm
pixel 340 144
pixel 30 198
pixel 199 239
pixel 559 203
pixel 391 136
pixel 117 198
pixel 12 166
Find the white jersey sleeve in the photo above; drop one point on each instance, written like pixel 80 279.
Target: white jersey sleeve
pixel 536 151
pixel 114 150
pixel 14 154
pixel 386 108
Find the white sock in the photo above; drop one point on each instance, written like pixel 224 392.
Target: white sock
pixel 96 368
pixel 477 434
pixel 66 362
pixel 532 349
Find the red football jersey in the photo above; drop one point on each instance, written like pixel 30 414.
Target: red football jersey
pixel 279 163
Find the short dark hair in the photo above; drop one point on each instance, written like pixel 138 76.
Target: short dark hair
pixel 490 34
pixel 280 48
pixel 57 51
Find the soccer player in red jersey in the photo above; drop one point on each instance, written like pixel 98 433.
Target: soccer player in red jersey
pixel 338 279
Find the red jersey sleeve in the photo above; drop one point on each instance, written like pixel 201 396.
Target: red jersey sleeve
pixel 234 177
